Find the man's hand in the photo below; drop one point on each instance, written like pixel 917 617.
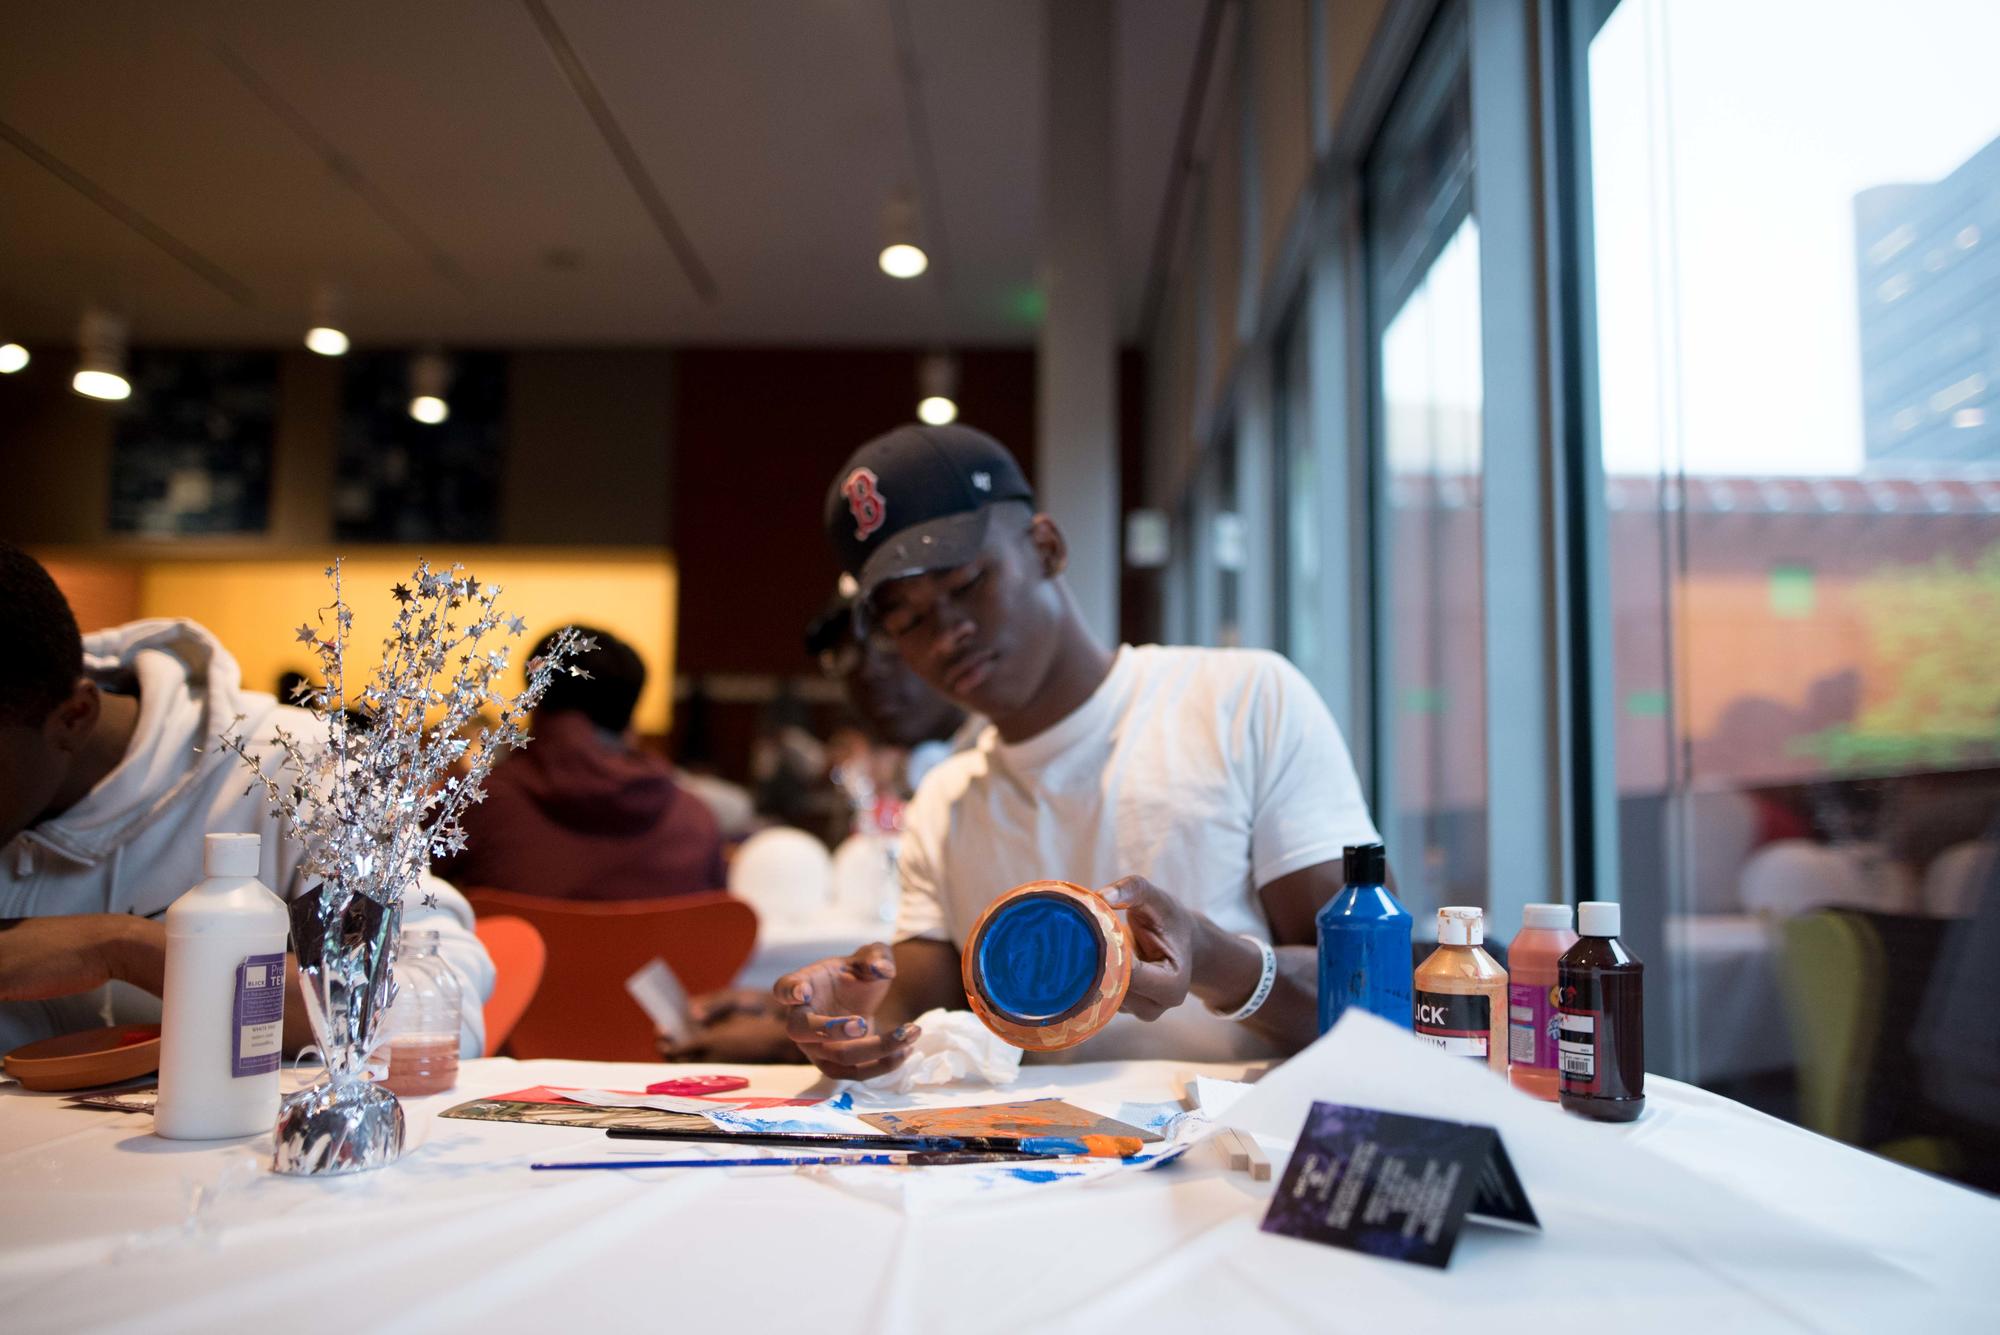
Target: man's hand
pixel 745 1027
pixel 42 958
pixel 1164 935
pixel 830 1013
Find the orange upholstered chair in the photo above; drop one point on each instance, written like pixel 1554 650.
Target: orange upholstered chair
pixel 518 957
pixel 583 1010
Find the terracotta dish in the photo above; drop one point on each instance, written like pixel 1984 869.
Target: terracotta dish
pixel 88 1059
pixel 1047 965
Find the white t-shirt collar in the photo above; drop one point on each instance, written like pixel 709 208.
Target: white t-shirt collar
pixel 1091 718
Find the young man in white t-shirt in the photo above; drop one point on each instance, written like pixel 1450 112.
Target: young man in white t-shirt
pixel 1207 791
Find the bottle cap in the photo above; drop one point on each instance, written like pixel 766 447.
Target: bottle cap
pixel 1546 917
pixel 1364 864
pixel 1597 917
pixel 230 855
pixel 1461 927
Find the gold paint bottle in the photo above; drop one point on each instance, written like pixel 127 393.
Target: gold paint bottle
pixel 1461 992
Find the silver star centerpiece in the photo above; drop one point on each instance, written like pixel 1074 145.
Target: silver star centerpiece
pixel 371 797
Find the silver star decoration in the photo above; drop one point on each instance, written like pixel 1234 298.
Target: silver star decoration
pixel 376 788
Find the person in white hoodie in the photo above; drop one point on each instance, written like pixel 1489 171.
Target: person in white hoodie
pixel 110 776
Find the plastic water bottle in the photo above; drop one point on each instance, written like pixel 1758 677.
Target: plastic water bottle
pixel 423 1043
pixel 222 1020
pixel 1364 944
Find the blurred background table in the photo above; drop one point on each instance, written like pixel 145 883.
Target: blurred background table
pixel 788 943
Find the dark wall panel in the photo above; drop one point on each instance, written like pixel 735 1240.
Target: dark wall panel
pixel 759 433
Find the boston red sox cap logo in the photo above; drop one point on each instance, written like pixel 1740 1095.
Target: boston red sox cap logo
pixel 864 502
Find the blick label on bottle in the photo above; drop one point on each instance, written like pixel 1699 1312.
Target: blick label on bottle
pixel 1576 1049
pixel 258 1032
pixel 1457 1023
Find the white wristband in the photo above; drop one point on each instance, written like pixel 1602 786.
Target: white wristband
pixel 1265 981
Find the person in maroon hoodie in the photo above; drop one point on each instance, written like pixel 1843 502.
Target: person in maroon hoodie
pixel 582 813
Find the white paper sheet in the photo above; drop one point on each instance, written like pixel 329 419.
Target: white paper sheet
pixel 1581 1176
pixel 659 993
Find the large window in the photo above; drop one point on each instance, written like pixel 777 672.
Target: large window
pixel 1423 268
pixel 1301 565
pixel 1795 237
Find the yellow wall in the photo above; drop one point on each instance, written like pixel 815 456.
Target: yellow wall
pixel 255 606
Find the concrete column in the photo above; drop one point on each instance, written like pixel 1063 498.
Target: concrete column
pixel 1076 396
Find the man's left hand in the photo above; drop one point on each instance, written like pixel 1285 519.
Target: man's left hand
pixel 61 956
pixel 1163 939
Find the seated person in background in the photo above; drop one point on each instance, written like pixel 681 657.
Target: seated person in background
pixel 897 710
pixel 1208 791
pixel 733 805
pixel 110 776
pixel 582 813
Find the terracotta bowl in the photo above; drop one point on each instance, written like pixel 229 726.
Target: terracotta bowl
pixel 1047 965
pixel 88 1059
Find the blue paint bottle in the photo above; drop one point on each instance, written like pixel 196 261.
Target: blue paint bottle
pixel 1364 944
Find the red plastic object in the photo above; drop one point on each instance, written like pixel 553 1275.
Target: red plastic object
pixel 518 960
pixel 698 1086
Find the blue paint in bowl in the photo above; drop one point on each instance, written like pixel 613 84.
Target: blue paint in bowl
pixel 1038 958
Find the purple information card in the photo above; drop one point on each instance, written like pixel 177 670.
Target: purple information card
pixel 260 1015
pixel 1392 1185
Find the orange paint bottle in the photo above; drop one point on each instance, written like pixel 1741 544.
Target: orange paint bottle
pixel 1531 998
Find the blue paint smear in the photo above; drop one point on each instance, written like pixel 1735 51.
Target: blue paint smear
pixel 845 1103
pixel 1037 1174
pixel 763 1125
pixel 1038 957
pixel 1052 1145
pixel 1151 1116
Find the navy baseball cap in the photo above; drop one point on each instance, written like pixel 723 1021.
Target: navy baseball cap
pixel 917 500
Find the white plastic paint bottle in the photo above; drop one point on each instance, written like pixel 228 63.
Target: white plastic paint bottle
pixel 224 1016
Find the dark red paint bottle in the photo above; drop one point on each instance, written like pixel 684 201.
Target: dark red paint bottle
pixel 1601 1049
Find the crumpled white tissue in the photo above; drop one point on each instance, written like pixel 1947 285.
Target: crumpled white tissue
pixel 953 1046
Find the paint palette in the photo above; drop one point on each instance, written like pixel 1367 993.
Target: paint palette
pixel 87 1060
pixel 1038 1123
pixel 1047 965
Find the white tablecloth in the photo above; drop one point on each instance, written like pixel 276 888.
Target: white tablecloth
pixel 104 1226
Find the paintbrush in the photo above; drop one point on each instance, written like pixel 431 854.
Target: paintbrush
pixel 1033 1147
pixel 910 1160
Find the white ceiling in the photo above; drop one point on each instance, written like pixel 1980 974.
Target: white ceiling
pixel 774 130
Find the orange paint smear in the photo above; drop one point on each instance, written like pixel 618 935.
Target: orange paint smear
pixel 1111 1147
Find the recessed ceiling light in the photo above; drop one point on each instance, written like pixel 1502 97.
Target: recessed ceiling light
pixel 326 340
pixel 937 388
pixel 902 256
pixel 903 260
pixel 100 363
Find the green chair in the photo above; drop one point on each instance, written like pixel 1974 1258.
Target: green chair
pixel 1832 971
